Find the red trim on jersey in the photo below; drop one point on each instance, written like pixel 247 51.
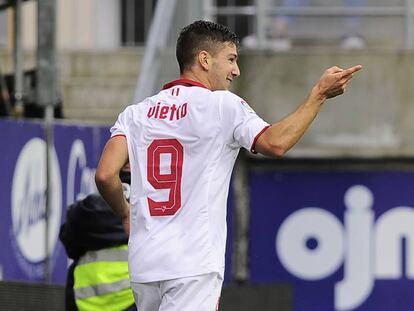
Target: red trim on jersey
pixel 252 149
pixel 119 135
pixel 185 82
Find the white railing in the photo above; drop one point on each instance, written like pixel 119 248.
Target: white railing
pixel 261 11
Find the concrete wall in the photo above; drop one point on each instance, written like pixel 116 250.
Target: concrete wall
pixel 374 118
pixel 95 85
pixel 98 85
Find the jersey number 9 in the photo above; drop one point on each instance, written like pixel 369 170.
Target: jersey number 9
pixel 161 180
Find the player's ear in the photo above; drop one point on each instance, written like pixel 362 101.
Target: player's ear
pixel 204 59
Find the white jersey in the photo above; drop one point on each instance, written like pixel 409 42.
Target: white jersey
pixel 182 145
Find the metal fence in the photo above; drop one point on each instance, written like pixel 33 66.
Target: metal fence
pixel 260 11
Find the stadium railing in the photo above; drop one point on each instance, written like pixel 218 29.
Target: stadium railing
pixel 261 11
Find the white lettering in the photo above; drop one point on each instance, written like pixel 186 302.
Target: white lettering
pixel 392 228
pixel 358 282
pixel 368 251
pixel 297 257
pixel 77 163
pixel 29 204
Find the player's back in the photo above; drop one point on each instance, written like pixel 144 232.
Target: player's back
pixel 182 144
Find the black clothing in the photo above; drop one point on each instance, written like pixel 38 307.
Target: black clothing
pixel 90 225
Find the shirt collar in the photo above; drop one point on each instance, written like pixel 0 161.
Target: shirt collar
pixel 185 82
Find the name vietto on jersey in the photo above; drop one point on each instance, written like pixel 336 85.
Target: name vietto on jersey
pixel 182 145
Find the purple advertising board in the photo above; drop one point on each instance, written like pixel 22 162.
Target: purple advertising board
pixel 343 239
pixel 22 193
pixel 76 152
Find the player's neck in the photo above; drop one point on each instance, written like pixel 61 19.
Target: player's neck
pixel 190 75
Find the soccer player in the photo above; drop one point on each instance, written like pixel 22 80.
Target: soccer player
pixel 181 145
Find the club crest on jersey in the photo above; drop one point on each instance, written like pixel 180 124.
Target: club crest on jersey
pixel 166 112
pixel 247 107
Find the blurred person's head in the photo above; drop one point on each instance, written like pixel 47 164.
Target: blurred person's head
pixel 209 51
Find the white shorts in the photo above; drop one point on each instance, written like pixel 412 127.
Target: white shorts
pixel 201 293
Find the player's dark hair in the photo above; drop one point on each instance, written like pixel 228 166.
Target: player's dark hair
pixel 201 35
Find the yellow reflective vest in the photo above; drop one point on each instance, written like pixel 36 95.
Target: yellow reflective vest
pixel 101 280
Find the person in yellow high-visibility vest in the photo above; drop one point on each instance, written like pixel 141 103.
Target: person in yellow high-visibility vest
pixel 101 280
pixel 93 236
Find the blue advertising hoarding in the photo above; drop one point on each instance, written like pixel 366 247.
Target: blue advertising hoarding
pixel 22 193
pixel 77 149
pixel 343 239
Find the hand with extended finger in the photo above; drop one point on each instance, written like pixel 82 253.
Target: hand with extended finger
pixel 334 81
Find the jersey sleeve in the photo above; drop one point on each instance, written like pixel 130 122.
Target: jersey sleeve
pixel 121 125
pixel 241 121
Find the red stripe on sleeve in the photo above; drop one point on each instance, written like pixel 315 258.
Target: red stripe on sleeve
pixel 119 135
pixel 252 149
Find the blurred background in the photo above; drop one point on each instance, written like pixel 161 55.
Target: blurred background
pixel 328 227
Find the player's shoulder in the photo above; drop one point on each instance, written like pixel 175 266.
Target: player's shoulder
pixel 228 97
pixel 137 105
pixel 225 95
pixel 233 101
pixel 128 111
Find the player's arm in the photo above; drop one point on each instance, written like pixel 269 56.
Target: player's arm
pixel 113 159
pixel 281 136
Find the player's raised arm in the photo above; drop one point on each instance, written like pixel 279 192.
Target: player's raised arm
pixel 281 136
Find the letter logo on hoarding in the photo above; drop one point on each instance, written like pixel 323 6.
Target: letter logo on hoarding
pixel 312 244
pixel 28 202
pixel 77 164
pixel 295 238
